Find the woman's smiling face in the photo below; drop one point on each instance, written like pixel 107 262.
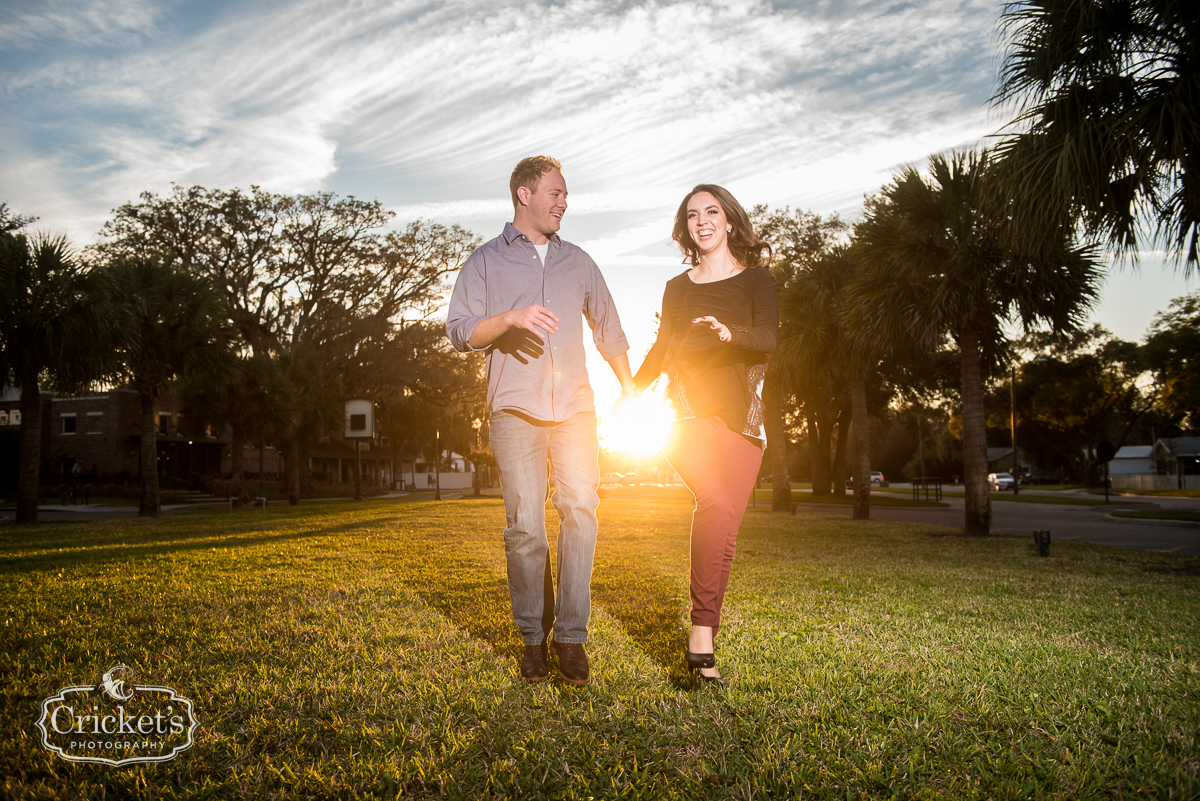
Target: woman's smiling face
pixel 706 222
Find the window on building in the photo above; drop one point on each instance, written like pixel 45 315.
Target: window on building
pixel 68 423
pixel 164 423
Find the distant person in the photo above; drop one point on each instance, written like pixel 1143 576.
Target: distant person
pixel 719 320
pixel 522 298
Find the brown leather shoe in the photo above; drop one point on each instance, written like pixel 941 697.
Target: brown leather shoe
pixel 572 663
pixel 533 663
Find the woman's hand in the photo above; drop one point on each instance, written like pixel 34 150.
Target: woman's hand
pixel 716 325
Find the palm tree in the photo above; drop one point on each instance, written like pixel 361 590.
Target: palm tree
pixel 795 237
pixel 53 330
pixel 820 347
pixel 1107 96
pixel 171 327
pixel 936 265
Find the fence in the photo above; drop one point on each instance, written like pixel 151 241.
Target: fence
pixel 1154 482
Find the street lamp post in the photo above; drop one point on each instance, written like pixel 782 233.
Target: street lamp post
pixel 476 424
pixel 1012 395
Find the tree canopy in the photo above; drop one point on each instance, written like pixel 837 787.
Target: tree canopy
pixel 1107 94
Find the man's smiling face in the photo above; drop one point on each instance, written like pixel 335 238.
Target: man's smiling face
pixel 547 204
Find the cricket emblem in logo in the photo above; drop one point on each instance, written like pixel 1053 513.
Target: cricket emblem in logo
pixel 117 722
pixel 113 683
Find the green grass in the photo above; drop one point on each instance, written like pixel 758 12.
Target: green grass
pixel 1162 514
pixel 1171 493
pixel 365 650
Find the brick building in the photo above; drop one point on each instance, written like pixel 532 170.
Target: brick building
pixel 102 434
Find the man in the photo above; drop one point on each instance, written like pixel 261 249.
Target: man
pixel 522 298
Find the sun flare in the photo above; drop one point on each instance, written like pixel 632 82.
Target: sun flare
pixel 640 425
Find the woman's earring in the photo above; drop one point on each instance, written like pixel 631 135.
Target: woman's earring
pixel 729 229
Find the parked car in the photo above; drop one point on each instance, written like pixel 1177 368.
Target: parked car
pixel 877 478
pixel 1001 481
pixel 1040 478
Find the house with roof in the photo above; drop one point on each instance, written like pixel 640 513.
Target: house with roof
pixel 1178 458
pixel 1170 463
pixel 1132 460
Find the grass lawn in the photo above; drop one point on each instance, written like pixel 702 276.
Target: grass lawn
pixel 1162 514
pixel 1171 493
pixel 339 650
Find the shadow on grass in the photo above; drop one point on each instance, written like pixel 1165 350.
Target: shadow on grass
pixel 59 553
pixel 469 594
pixel 648 607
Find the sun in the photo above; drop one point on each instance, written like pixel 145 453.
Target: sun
pixel 640 425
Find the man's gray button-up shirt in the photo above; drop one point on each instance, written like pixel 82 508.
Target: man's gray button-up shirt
pixel 546 380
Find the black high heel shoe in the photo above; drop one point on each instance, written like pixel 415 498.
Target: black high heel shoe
pixel 698 662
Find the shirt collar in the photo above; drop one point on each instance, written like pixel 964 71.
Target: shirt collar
pixel 511 234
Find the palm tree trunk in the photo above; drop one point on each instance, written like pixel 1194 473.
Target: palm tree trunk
pixel 839 453
pixel 978 500
pixel 781 488
pixel 149 458
pixel 237 455
pixel 818 452
pixel 860 431
pixel 30 459
pixel 920 441
pixel 305 454
pixel 293 468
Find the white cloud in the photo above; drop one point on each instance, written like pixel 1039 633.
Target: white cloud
pixel 89 24
pixel 434 103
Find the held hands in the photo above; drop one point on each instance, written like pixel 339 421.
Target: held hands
pixel 716 325
pixel 538 320
pixel 625 403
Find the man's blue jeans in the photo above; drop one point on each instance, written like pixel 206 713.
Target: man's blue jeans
pixel 523 447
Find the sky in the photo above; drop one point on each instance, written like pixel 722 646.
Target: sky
pixel 427 106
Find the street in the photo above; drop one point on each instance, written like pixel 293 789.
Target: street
pixel 1064 522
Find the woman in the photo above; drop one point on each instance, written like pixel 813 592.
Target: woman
pixel 719 321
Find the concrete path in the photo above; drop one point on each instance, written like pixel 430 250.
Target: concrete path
pixel 1078 523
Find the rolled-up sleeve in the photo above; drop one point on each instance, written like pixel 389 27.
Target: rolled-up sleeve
pixel 601 313
pixel 468 304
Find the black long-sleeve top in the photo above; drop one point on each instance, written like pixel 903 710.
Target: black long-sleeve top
pixel 707 376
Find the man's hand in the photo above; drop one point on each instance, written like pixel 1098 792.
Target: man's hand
pixel 536 319
pixel 716 325
pixel 626 401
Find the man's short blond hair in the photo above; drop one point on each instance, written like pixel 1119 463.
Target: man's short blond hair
pixel 529 172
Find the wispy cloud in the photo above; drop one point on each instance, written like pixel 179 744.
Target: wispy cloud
pixel 432 103
pixel 36 23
